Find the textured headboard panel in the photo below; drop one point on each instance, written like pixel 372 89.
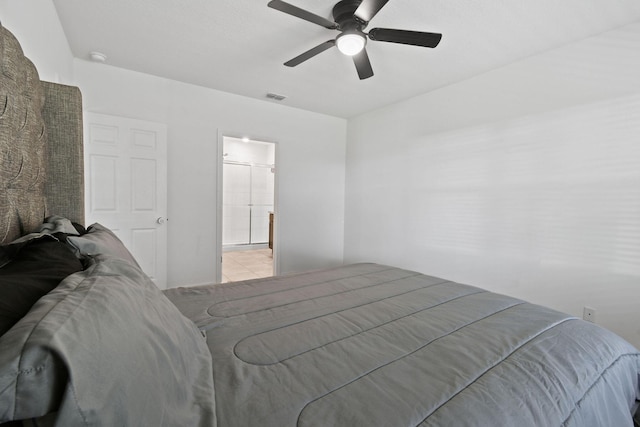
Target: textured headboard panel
pixel 40 145
pixel 64 186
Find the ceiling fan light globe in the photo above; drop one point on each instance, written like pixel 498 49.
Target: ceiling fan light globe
pixel 350 43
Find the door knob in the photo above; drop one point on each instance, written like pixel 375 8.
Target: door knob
pixel 161 220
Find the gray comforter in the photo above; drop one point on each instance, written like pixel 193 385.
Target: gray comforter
pixel 370 345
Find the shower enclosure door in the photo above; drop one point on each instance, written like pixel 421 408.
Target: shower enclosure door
pixel 261 202
pixel 247 201
pixel 236 208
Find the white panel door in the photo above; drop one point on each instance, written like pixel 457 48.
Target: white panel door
pixel 126 186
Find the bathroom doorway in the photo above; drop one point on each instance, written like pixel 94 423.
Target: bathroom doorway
pixel 248 201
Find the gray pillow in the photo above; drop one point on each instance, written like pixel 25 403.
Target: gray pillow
pixel 58 224
pixel 51 225
pixel 106 348
pixel 100 240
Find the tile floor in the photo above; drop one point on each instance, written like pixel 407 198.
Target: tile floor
pixel 246 264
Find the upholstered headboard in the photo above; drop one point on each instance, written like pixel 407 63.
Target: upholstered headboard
pixel 40 145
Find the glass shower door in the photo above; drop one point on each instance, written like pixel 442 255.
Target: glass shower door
pixel 247 194
pixel 261 202
pixel 236 206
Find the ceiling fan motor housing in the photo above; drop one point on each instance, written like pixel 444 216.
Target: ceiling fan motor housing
pixel 344 16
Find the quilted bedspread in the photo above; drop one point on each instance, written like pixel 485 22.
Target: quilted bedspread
pixel 371 345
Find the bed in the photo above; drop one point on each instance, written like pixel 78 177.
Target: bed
pixel 96 343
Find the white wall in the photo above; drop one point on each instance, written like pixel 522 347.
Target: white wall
pixel 36 25
pixel 310 159
pixel 524 180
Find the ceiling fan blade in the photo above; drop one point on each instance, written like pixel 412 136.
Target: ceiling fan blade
pixel 369 8
pixel 302 14
pixel 310 53
pixel 415 38
pixel 363 65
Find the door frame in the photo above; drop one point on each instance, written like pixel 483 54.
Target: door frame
pixel 219 178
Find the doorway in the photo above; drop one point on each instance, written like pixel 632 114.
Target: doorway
pixel 248 189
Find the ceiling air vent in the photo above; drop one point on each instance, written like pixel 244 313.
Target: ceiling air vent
pixel 275 96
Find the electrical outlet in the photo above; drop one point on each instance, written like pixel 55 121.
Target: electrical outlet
pixel 589 314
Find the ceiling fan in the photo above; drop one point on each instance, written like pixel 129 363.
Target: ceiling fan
pixel 351 17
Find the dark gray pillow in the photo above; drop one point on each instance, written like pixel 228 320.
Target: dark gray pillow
pixel 33 269
pixel 100 240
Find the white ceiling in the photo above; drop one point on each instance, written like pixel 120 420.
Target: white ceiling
pixel 239 46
